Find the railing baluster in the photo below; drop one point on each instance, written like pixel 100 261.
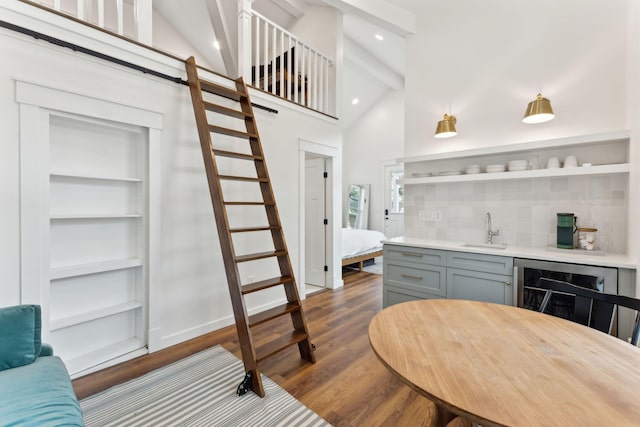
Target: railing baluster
pixel 120 12
pixel 56 5
pixel 256 46
pixel 326 84
pixel 321 84
pixel 294 64
pixel 303 71
pixel 80 10
pixel 273 60
pixel 265 70
pixel 283 69
pixel 315 80
pixel 101 13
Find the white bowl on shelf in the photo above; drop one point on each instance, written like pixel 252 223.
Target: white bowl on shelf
pixel 471 169
pixel 495 168
pixel 421 174
pixel 518 165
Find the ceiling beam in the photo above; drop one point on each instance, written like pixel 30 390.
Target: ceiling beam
pixel 380 12
pixel 223 28
pixel 366 62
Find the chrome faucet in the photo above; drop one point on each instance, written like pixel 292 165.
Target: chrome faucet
pixel 491 233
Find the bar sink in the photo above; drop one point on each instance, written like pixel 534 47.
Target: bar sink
pixel 485 245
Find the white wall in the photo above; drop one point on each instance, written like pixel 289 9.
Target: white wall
pixel 483 62
pixel 376 137
pixel 193 296
pixel 633 105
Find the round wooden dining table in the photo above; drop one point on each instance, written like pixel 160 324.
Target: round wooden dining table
pixel 498 365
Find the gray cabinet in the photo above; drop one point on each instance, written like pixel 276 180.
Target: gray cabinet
pixel 480 277
pixel 411 273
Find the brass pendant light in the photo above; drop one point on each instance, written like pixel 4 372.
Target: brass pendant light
pixel 446 127
pixel 538 111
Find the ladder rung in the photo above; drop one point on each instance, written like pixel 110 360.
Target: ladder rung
pixel 216 89
pixel 249 203
pixel 226 111
pixel 231 132
pixel 235 155
pixel 242 178
pixel 259 255
pixel 265 284
pixel 269 349
pixel 251 229
pixel 273 313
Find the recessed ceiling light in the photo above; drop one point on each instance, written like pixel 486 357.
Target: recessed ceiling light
pixel 354 101
pixel 379 37
pixel 216 44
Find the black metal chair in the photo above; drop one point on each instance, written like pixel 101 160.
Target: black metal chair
pixel 592 308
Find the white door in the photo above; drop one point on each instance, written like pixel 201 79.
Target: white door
pixel 315 228
pixel 393 201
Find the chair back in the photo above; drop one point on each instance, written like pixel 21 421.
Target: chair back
pixel 592 308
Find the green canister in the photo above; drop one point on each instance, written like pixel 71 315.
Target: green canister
pixel 566 228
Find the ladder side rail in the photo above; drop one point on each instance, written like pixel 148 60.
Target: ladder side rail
pixel 291 289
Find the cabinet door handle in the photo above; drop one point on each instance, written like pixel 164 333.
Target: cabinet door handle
pixel 408 276
pixel 411 254
pixel 508 283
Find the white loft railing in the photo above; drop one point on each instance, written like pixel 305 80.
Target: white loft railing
pixel 284 66
pixel 128 18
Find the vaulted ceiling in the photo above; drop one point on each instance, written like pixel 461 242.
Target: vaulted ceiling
pixel 372 67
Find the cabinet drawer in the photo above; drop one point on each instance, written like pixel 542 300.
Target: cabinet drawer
pixel 416 277
pixel 392 295
pixel 480 262
pixel 418 255
pixel 478 286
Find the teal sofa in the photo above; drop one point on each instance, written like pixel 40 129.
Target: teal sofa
pixel 35 388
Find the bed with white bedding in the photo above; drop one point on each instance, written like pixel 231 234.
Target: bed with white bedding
pixel 360 245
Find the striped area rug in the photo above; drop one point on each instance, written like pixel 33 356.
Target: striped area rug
pixel 197 391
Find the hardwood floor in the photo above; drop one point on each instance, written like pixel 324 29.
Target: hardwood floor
pixel 347 385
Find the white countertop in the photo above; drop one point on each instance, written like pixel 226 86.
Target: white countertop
pixel 575 256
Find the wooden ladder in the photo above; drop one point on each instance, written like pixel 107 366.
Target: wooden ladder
pixel 299 334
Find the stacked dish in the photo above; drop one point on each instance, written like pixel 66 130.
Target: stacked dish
pixel 472 169
pixel 421 174
pixel 518 165
pixel 495 168
pixel 448 173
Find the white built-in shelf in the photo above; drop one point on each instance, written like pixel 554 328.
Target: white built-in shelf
pixel 93 216
pixel 131 347
pixel 93 268
pixel 93 177
pixel 537 173
pixel 573 141
pixel 66 322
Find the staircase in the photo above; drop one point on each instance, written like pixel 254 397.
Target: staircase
pixel 245 324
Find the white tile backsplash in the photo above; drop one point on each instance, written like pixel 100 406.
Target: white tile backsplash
pixel 523 210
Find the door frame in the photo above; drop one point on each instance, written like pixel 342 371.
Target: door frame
pixel 333 155
pixel 314 238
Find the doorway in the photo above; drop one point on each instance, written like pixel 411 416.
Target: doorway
pixel 332 157
pixel 393 200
